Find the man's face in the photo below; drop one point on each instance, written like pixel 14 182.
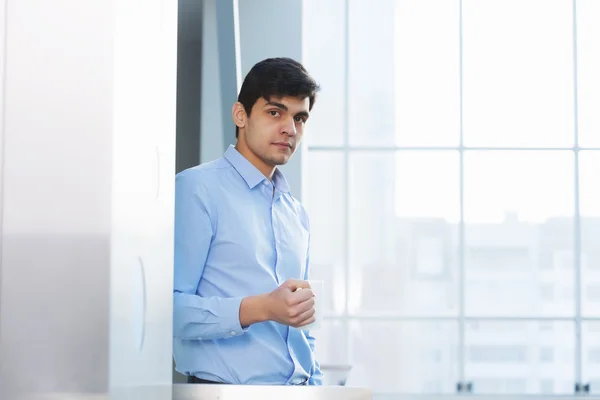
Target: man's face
pixel 274 128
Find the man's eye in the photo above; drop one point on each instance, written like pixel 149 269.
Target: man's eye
pixel 274 113
pixel 300 119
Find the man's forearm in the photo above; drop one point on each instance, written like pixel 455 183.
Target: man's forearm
pixel 199 318
pixel 253 309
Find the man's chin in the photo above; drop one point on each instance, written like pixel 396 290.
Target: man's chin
pixel 275 161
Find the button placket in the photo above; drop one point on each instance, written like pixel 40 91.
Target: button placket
pixel 274 226
pixel 267 191
pixel 275 231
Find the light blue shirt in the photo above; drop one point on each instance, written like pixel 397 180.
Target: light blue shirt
pixel 237 234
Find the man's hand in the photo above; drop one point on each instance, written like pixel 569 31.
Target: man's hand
pixel 291 304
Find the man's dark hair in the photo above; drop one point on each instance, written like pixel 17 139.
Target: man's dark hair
pixel 279 77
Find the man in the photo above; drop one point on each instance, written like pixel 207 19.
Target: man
pixel 241 245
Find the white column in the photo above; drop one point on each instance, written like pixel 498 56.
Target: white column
pixel 89 135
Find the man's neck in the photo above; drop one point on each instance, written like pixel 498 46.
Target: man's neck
pixel 266 169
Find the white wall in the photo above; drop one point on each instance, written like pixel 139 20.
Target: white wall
pixel 89 131
pixel 2 71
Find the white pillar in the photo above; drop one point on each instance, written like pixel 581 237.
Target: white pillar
pixel 87 198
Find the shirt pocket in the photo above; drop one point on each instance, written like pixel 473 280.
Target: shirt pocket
pixel 292 245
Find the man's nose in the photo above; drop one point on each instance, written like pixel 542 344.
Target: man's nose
pixel 290 127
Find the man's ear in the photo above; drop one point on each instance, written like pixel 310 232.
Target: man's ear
pixel 238 113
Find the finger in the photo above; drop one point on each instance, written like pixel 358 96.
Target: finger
pixel 304 306
pixel 306 321
pixel 301 319
pixel 295 284
pixel 303 295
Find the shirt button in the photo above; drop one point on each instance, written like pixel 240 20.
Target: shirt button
pixel 232 333
pixel 266 183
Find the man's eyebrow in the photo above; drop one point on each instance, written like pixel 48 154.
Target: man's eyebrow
pixel 284 108
pixel 278 105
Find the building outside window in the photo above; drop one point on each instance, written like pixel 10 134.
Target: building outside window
pixel 451 174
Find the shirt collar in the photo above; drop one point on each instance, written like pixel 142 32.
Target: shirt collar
pixel 251 174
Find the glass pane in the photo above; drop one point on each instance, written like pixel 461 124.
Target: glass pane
pixel 518 357
pixel 371 72
pixel 404 357
pixel 324 203
pixel 590 355
pixel 589 176
pixel 325 61
pixel 404 214
pixel 332 350
pixel 519 233
pixel 518 73
pixel 400 94
pixel 588 71
pixel 427 84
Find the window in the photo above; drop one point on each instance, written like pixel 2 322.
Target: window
pixel 547 292
pixel 591 354
pixel 563 259
pixel 491 385
pixel 594 355
pixel 452 193
pixel 497 354
pixel 546 355
pixel 546 386
pixel 516 385
pixel 508 100
pixel 588 52
pixel 590 231
pixel 593 293
pixel 404 356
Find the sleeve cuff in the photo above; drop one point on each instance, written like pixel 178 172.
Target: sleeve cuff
pixel 230 314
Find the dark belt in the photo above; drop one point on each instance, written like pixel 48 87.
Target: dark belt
pixel 193 379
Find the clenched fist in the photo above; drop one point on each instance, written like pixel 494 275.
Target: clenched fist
pixel 292 304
